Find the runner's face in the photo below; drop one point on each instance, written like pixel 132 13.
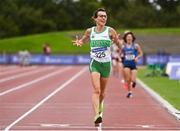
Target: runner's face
pixel 129 38
pixel 101 18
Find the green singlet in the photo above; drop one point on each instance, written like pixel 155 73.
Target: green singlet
pixel 100 43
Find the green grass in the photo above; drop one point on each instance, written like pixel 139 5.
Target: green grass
pixel 168 89
pixel 158 31
pixel 60 42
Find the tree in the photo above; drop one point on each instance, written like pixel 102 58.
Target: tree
pixel 21 17
pixel 84 12
pixel 168 12
pixel 168 5
pixel 8 16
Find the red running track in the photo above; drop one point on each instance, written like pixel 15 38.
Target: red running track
pixel 59 98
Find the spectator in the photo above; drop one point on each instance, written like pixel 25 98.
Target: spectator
pixel 24 58
pixel 46 49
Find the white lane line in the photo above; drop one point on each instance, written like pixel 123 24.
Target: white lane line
pixel 145 126
pixel 5 68
pixel 23 74
pixel 170 108
pixel 54 125
pixel 17 70
pixel 46 98
pixel 34 81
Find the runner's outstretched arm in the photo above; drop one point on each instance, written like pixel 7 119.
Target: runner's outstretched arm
pixel 85 38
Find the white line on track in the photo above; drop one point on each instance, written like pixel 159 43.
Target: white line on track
pixel 5 68
pixel 171 109
pixel 34 81
pixel 23 74
pixel 46 98
pixel 17 70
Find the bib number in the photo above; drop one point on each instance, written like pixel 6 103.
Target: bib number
pixel 100 54
pixel 130 57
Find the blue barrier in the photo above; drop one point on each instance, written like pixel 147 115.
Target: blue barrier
pixel 52 59
pixel 81 59
pixel 56 60
pixel 174 58
pixel 3 59
pixel 157 59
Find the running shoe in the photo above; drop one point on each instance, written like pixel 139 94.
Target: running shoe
pixel 97 119
pixel 129 95
pixel 133 84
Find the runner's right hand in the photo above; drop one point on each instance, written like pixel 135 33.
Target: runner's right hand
pixel 77 42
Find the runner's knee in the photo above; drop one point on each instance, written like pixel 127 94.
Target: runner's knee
pixel 97 91
pixel 128 80
pixel 102 95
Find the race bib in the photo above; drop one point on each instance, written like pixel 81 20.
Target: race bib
pixel 129 57
pixel 99 52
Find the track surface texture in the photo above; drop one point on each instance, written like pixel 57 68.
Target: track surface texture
pixel 59 98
